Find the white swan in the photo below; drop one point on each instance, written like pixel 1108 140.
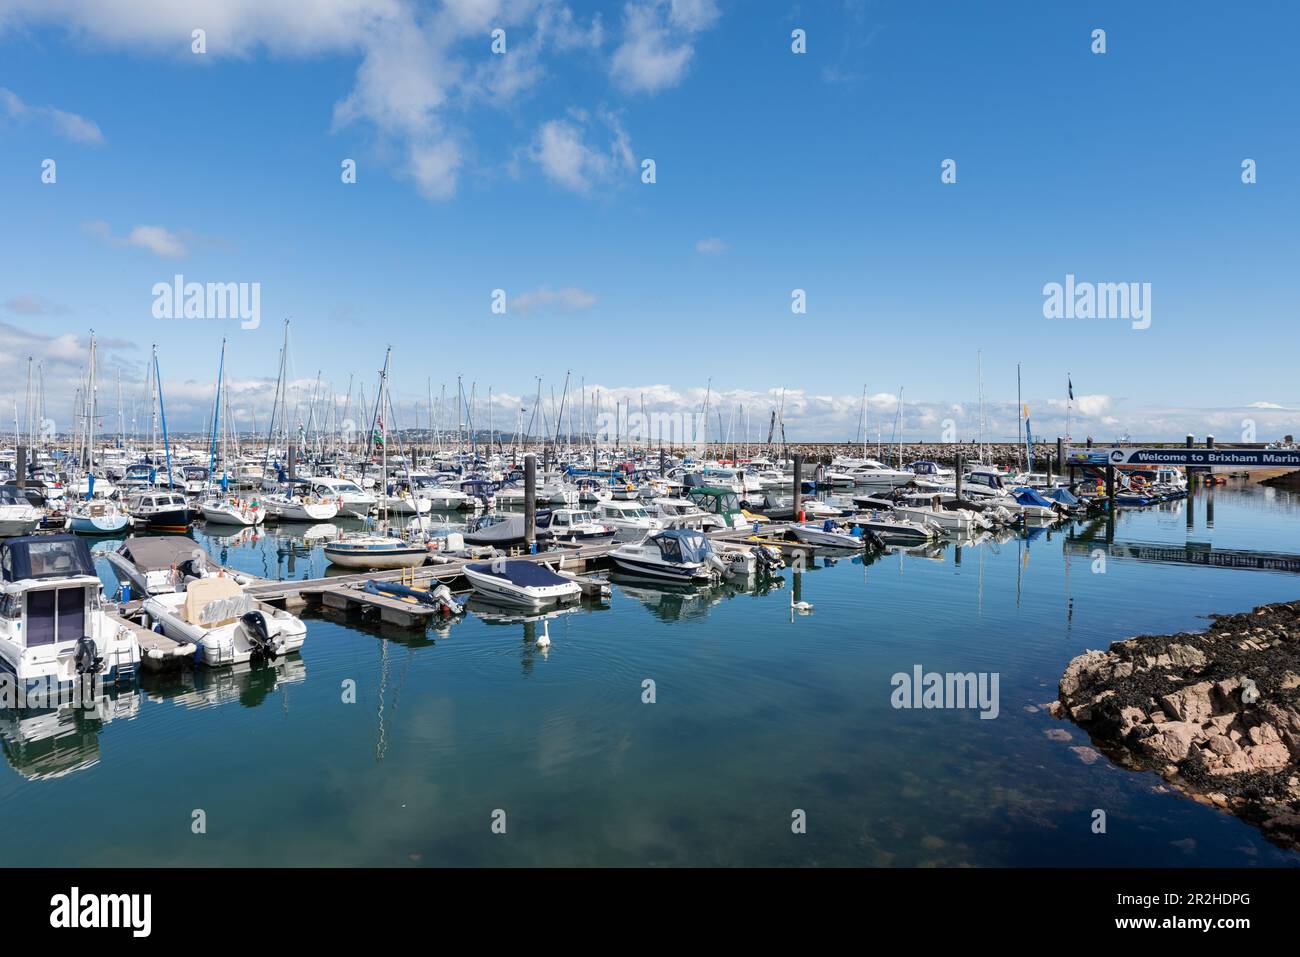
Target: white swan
pixel 802 607
pixel 544 640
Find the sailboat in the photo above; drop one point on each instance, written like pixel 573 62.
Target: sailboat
pixel 95 516
pixel 220 507
pixel 377 551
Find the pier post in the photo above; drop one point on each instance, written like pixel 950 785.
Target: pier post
pixel 1209 507
pixel 1060 456
pixel 293 464
pixel 1110 486
pixel 530 501
pixel 957 470
pixel 1209 441
pixel 798 486
pixel 1190 439
pixel 20 467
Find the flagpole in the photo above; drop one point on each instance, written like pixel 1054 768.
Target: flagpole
pixel 1069 404
pixel 1019 435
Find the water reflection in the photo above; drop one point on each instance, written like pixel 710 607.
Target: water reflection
pixel 54 742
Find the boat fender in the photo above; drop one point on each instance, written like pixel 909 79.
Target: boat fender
pixel 86 658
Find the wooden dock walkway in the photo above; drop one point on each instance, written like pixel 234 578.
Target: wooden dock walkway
pixel 156 651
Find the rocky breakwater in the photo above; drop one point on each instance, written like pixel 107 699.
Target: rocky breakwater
pixel 1217 714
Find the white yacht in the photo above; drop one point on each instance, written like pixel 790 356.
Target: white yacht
pixel 18 516
pixel 231 510
pixel 54 630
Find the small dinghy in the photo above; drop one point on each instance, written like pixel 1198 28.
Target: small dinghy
pixel 530 584
pixel 375 552
pixel 228 626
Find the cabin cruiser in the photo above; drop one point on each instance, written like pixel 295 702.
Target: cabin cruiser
pixel 681 513
pixel 398 500
pixel 380 552
pixel 575 526
pixel 18 516
pixel 517 582
pixel 723 503
pixel 440 496
pixel 928 507
pixel 160 511
pixel 156 564
pixel 675 554
pixel 97 517
pixel 227 625
pixel 892 527
pixel 630 520
pixel 54 630
pixel 930 476
pixel 351 500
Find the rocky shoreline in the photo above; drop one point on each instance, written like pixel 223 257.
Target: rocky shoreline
pixel 1216 713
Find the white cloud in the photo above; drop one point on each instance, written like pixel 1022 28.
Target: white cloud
pixel 416 82
pixel 68 125
pixel 157 239
pixel 34 306
pixel 1263 405
pixel 711 246
pixel 562 151
pixel 570 299
pixel 659 42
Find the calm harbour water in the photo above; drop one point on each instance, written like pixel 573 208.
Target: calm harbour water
pixel 756 715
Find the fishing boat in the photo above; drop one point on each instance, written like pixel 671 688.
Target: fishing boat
pixel 156 564
pixel 523 583
pixel 54 630
pixel 377 552
pixel 227 625
pixel 97 517
pixel 160 511
pixel 675 554
pixel 17 515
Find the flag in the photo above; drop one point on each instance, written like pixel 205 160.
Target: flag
pixel 1070 384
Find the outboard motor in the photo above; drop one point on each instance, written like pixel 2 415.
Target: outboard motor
pixel 86 657
pixel 259 635
pixel 445 603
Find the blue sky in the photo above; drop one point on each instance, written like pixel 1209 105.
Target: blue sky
pixel 775 171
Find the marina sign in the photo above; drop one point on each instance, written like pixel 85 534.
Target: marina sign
pixel 1237 458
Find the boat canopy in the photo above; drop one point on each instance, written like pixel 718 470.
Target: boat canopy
pixel 683 545
pixel 45 556
pixel 159 552
pixel 521 573
pixel 1028 496
pixel 1062 495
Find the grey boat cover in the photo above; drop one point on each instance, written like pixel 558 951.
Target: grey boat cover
pixel 523 574
pixel 509 531
pixel 158 552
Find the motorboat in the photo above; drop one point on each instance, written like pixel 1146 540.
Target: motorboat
pixel 379 552
pixel 97 517
pixel 158 564
pixel 502 532
pixel 826 534
pixel 54 630
pixel 675 554
pixel 160 511
pixel 351 499
pixel 928 507
pixel 230 510
pixel 630 519
pixel 519 582
pixel 683 513
pixel 18 516
pixel 225 623
pixel 873 473
pixel 574 526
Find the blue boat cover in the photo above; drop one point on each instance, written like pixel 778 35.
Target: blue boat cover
pixel 683 545
pixel 523 574
pixel 45 556
pixel 1062 495
pixel 1028 496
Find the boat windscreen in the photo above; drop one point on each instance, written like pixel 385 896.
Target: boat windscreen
pixel 52 556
